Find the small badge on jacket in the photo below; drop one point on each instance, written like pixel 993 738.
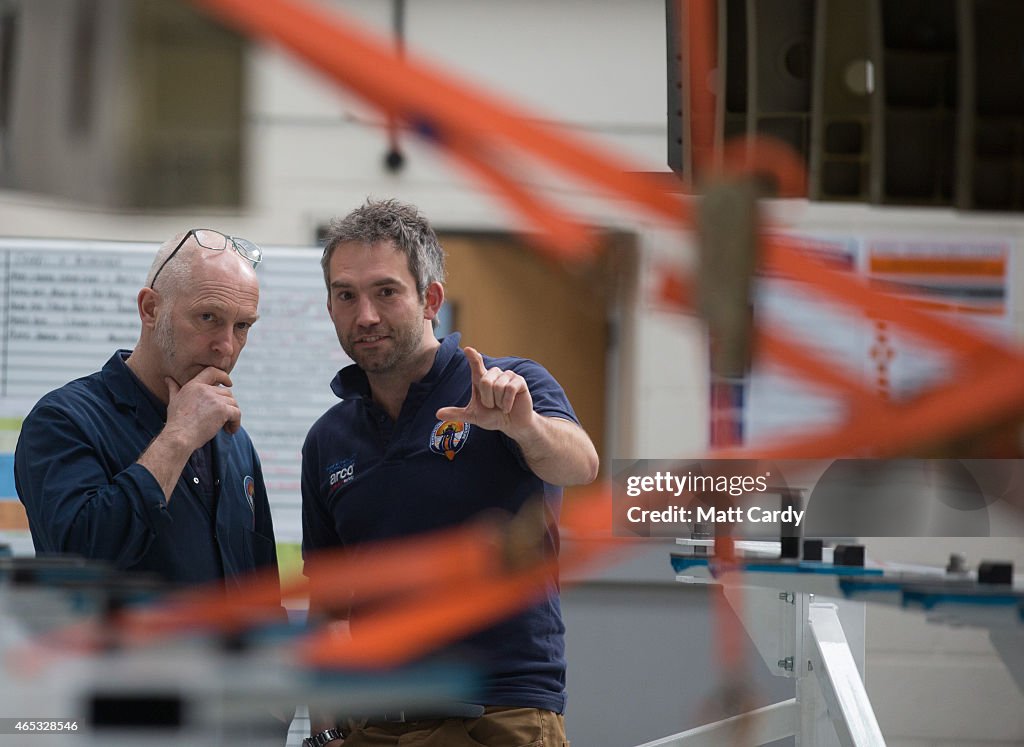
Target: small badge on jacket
pixel 250 492
pixel 448 437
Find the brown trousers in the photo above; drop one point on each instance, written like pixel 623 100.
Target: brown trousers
pixel 498 727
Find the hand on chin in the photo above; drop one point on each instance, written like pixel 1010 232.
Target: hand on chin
pixel 197 368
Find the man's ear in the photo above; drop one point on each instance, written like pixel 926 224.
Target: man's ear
pixel 148 302
pixel 433 298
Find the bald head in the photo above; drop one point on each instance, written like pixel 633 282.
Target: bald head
pixel 175 263
pixel 196 314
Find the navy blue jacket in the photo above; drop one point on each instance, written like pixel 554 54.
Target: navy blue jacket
pixel 76 471
pixel 366 478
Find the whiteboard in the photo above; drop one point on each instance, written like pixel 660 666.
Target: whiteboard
pixel 65 306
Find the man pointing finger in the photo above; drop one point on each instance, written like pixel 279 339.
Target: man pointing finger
pixel 426 437
pixel 555 449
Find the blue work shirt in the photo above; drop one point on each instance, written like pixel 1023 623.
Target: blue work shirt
pixel 367 478
pixel 77 474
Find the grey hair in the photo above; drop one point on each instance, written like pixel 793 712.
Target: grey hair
pixel 395 222
pixel 176 274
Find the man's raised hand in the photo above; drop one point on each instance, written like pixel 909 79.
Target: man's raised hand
pixel 500 400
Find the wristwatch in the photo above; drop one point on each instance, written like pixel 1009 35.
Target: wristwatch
pixel 319 740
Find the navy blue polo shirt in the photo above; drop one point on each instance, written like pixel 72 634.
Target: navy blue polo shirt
pixel 77 474
pixel 368 478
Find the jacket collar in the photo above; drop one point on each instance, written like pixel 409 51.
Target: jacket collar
pixel 126 390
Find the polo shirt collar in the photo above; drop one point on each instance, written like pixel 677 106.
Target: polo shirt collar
pixel 448 352
pixel 351 381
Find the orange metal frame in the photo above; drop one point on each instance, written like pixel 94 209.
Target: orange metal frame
pixel 447 584
pixel 486 136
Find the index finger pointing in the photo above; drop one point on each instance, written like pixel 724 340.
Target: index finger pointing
pixel 476 363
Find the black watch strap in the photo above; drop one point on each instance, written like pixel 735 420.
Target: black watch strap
pixel 319 740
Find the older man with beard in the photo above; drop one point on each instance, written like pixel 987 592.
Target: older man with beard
pixel 144 464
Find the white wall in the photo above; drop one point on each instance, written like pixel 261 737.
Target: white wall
pixel 598 67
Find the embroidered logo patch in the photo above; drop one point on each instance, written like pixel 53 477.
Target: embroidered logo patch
pixel 341 473
pixel 448 437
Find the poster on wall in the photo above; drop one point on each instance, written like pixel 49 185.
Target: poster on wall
pixel 965 280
